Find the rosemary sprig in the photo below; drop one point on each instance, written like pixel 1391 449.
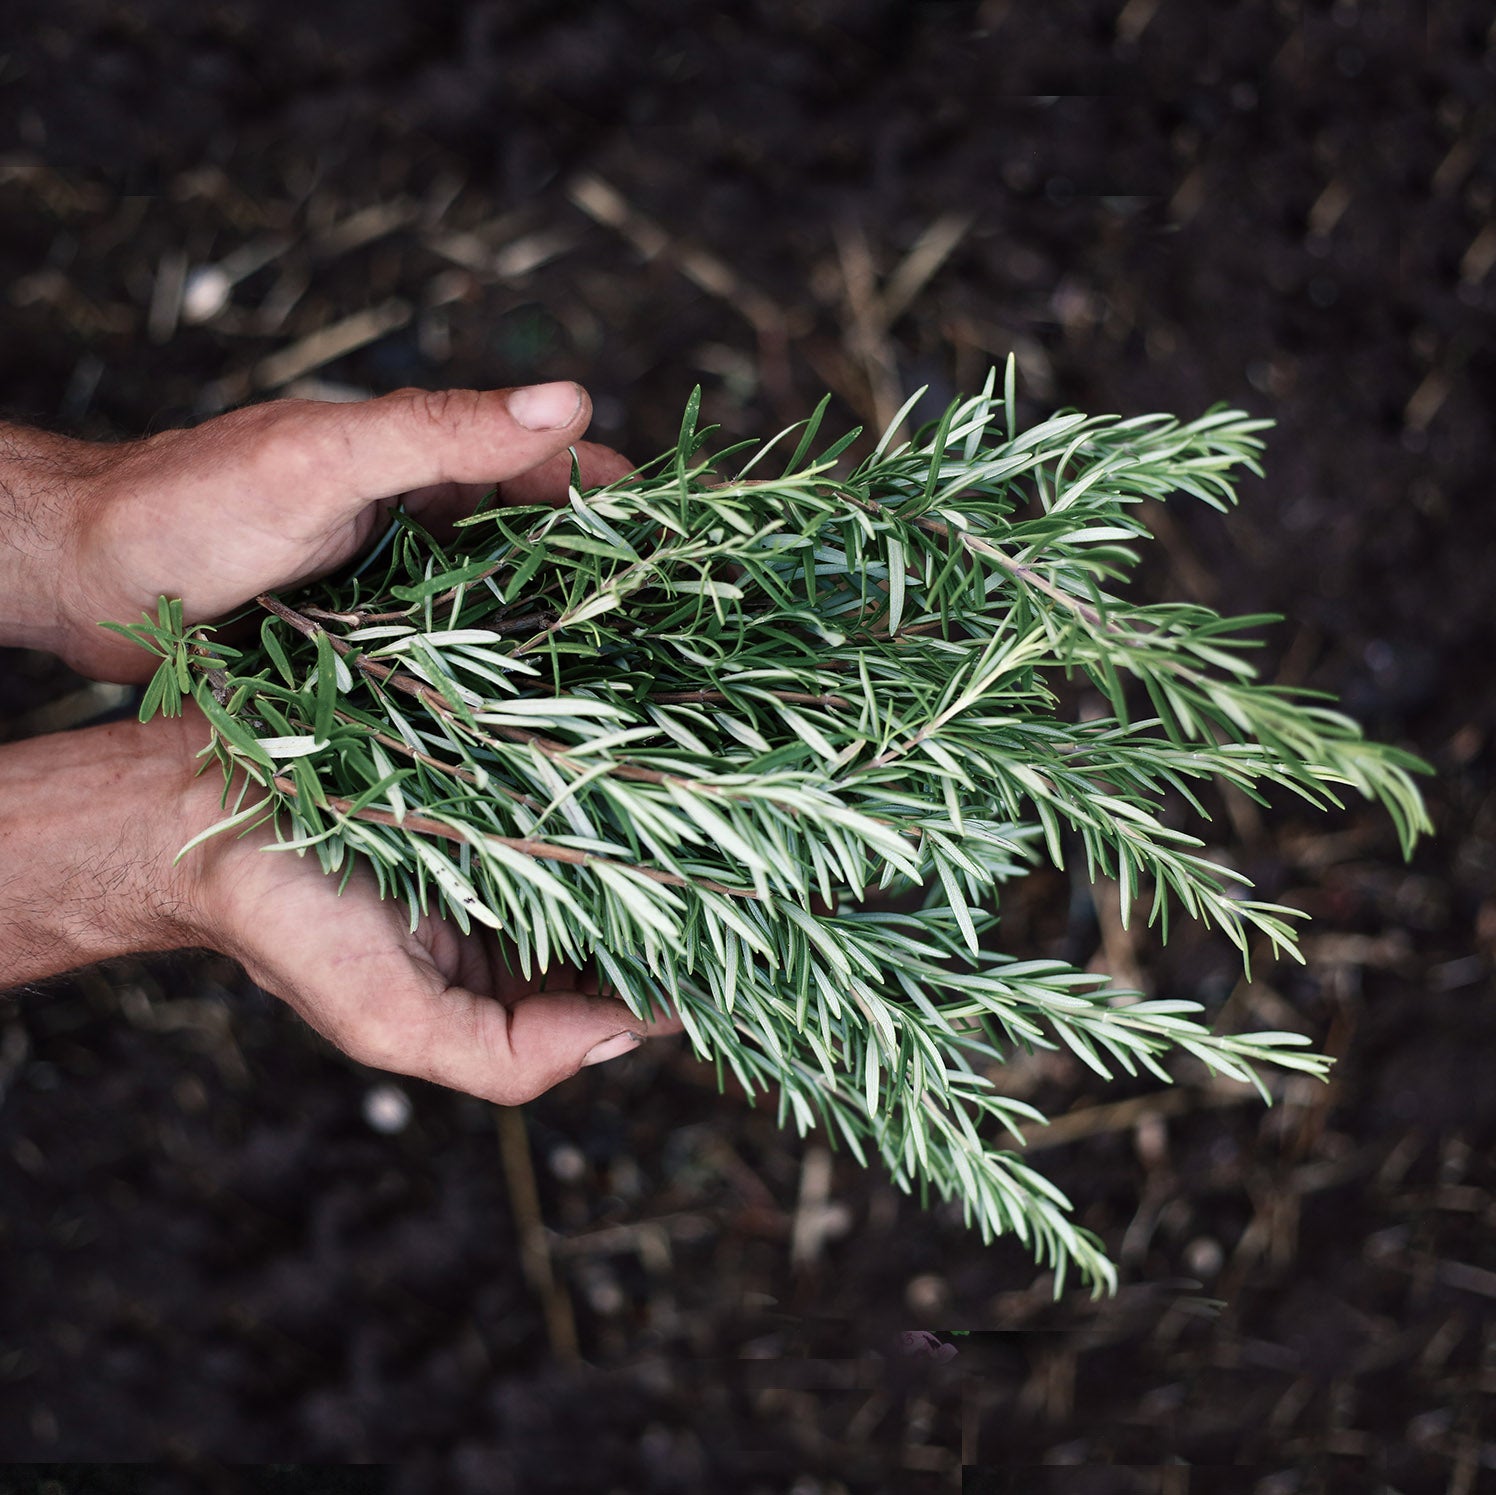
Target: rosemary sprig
pixel 693 726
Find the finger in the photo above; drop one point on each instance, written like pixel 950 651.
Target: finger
pixel 404 1016
pixel 349 964
pixel 437 507
pixel 548 483
pixel 508 1053
pixel 477 962
pixel 343 456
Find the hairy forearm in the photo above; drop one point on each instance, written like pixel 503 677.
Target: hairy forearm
pixel 44 481
pixel 89 823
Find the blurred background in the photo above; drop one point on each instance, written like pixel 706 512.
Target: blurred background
pixel 224 1244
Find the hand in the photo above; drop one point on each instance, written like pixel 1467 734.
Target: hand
pixel 272 496
pixel 437 1004
pixel 434 1004
pixel 90 824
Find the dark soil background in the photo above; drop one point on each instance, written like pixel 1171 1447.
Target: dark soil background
pixel 223 1245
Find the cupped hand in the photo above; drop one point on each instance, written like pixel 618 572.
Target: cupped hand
pixel 272 496
pixel 435 1004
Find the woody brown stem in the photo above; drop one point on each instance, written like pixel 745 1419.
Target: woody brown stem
pixel 438 703
pixel 802 697
pixel 399 745
pixel 1028 575
pixel 217 677
pixel 978 546
pixel 357 619
pixel 542 850
pixel 432 698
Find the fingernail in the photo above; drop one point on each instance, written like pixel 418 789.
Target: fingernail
pixel 545 407
pixel 611 1048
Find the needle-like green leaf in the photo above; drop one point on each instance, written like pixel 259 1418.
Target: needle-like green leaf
pixel 678 727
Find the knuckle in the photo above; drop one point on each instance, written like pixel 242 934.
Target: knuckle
pixel 493 1038
pixel 263 422
pixel 443 410
pixel 508 1080
pixel 264 440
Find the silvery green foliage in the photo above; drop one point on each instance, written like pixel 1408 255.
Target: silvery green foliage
pixel 668 724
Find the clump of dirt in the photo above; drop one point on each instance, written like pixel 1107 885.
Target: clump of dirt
pixel 215 1257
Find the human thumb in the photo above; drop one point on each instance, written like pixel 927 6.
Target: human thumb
pixel 415 438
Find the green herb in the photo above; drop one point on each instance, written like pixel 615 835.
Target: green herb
pixel 670 724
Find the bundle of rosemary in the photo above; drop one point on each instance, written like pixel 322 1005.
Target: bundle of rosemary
pixel 705 726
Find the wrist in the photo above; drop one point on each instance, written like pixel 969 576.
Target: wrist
pixel 45 481
pixel 90 822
